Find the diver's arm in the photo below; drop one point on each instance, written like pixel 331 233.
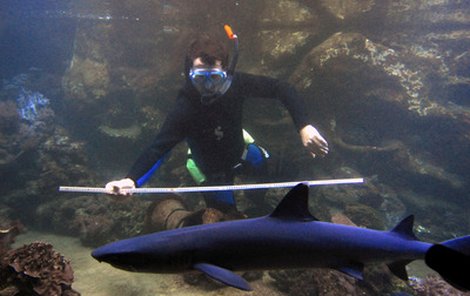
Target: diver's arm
pixel 152 158
pixel 145 166
pixel 267 87
pixel 149 161
pixel 261 86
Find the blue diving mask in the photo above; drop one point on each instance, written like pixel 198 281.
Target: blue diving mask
pixel 211 83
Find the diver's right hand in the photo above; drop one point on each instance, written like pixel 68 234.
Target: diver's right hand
pixel 120 187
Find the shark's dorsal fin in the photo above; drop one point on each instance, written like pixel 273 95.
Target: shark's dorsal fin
pixel 405 228
pixel 294 206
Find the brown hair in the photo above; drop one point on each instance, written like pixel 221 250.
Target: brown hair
pixel 208 50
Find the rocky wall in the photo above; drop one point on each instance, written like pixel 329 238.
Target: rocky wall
pixel 385 81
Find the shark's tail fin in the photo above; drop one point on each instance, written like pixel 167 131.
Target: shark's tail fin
pixel 451 259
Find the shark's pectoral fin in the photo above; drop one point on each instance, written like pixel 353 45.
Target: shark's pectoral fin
pixel 353 269
pixel 223 275
pixel 399 269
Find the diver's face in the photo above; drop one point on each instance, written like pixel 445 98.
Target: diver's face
pixel 198 63
pixel 209 80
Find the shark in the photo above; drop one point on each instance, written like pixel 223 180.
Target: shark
pixel 290 237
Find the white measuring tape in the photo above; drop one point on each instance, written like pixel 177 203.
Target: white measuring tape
pixel 214 188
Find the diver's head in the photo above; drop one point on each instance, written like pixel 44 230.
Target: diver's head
pixel 211 81
pixel 208 69
pixel 206 65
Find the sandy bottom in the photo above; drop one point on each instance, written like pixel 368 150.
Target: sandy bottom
pixel 100 279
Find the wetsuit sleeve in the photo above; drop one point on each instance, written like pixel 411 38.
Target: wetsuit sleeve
pixel 266 87
pixel 171 133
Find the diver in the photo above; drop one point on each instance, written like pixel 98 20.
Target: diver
pixel 208 115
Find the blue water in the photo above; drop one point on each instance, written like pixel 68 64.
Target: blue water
pixel 386 83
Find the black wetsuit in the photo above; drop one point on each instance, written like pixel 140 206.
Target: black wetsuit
pixel 214 132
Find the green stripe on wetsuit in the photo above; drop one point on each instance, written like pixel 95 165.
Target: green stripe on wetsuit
pixel 195 171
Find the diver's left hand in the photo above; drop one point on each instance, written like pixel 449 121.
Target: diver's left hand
pixel 313 141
